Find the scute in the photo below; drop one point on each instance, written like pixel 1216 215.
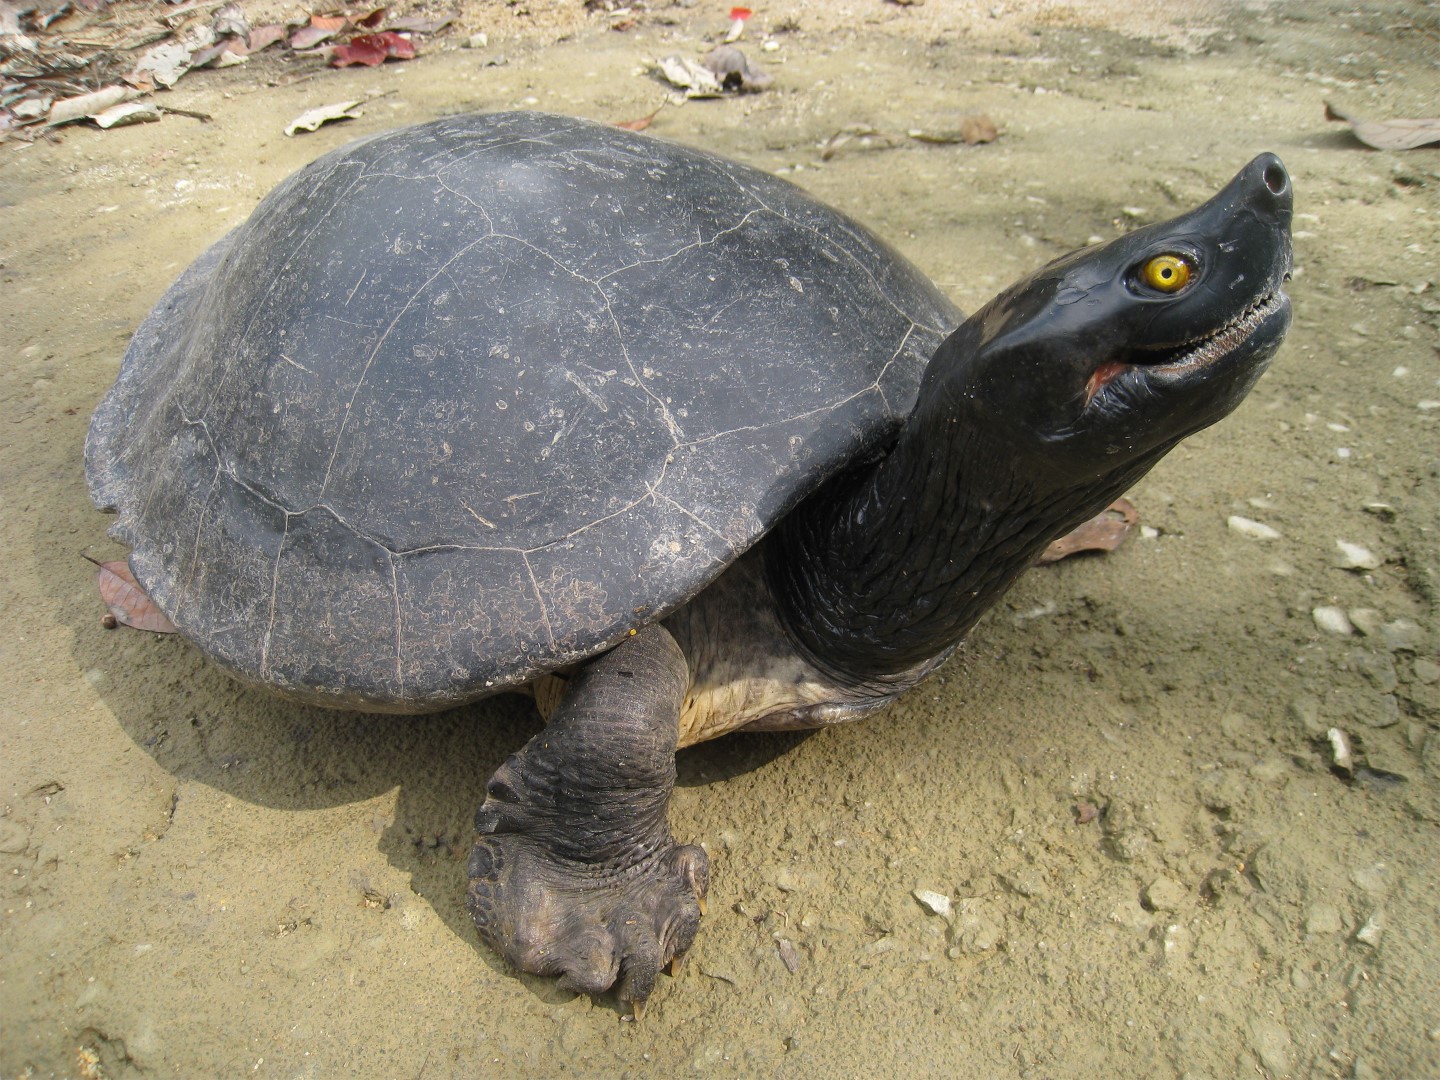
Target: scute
pixel 467 401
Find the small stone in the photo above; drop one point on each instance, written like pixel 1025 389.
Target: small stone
pixel 1355 557
pixel 1256 530
pixel 1323 919
pixel 1162 894
pixel 1375 879
pixel 933 902
pixel 1340 754
pixel 477 41
pixel 1426 671
pixel 1131 915
pixel 1271 1044
pixel 1369 934
pixel 1402 634
pixel 1367 620
pixel 1332 620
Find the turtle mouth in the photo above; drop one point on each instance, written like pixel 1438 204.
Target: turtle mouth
pixel 1197 354
pixel 1221 343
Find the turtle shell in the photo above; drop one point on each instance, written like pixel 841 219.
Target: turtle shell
pixel 469 401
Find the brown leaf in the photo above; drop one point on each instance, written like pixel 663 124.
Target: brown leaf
pixel 309 36
pixel 637 125
pixel 373 50
pixel 1388 134
pixel 1106 531
pixel 127 601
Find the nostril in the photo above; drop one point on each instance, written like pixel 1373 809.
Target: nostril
pixel 1276 178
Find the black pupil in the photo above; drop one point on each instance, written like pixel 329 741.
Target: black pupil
pixel 1167 273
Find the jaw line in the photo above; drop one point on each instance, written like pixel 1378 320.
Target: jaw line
pixel 1196 354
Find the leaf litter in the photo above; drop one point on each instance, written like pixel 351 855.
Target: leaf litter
pixel 71 60
pixel 127 601
pixel 1388 134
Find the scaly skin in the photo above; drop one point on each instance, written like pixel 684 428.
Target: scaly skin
pixel 576 873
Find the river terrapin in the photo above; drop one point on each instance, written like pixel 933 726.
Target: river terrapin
pixel 517 399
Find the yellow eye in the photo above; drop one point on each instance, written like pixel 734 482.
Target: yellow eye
pixel 1167 273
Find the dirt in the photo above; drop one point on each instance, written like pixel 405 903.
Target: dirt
pixel 1126 786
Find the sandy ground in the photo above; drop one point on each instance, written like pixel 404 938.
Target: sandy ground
pixel 199 880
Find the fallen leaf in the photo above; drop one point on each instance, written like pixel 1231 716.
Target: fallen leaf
pixel 127 113
pixel 69 109
pixel 311 119
pixel 729 66
pixel 230 21
pixel 689 75
pixel 373 20
pixel 832 146
pixel 127 601
pixel 308 37
pixel 333 23
pixel 162 66
pixel 975 128
pixel 637 125
pixel 373 50
pixel 1106 531
pixel 1388 134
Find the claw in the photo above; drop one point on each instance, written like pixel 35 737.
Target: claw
pixel 637 1010
pixel 700 902
pixel 677 965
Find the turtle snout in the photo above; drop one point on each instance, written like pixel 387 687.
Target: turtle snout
pixel 1267 186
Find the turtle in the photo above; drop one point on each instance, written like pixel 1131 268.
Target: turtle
pixel 524 402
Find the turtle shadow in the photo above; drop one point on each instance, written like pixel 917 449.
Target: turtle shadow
pixel 201 725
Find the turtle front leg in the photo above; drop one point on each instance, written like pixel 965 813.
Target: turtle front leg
pixel 576 873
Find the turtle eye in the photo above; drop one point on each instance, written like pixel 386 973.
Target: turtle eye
pixel 1166 273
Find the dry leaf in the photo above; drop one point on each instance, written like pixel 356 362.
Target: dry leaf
pixel 690 76
pixel 127 601
pixel 127 113
pixel 311 119
pixel 637 125
pixel 729 66
pixel 372 50
pixel 1106 531
pixel 78 108
pixel 1388 134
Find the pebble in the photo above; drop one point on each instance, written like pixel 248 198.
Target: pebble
pixel 1367 620
pixel 933 902
pixel 1162 894
pixel 1369 934
pixel 1271 1044
pixel 1332 620
pixel 1426 671
pixel 1403 634
pixel 1355 557
pixel 1256 530
pixel 1323 919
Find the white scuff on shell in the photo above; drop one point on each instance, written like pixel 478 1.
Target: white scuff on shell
pixel 1256 530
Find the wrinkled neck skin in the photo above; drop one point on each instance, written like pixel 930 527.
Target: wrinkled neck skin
pixel 886 569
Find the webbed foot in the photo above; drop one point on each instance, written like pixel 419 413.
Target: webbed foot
pixel 576 873
pixel 597 928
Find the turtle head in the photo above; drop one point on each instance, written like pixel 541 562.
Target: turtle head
pixel 1105 359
